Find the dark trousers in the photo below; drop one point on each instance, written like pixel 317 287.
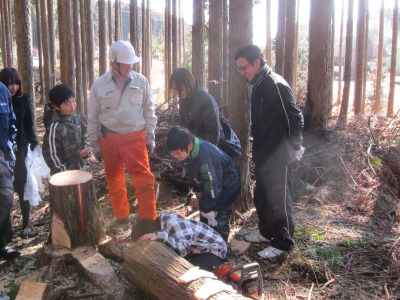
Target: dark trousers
pixel 20 174
pixel 273 202
pixel 222 217
pixel 6 201
pixel 205 261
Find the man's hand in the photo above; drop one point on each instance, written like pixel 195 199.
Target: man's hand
pixel 299 153
pixel 210 218
pixel 150 147
pixel 33 145
pixel 149 237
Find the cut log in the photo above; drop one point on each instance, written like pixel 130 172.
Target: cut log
pixel 37 291
pixel 76 218
pixel 155 269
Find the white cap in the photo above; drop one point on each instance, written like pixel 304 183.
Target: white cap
pixel 122 52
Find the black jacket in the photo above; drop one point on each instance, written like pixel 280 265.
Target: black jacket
pixel 276 122
pixel 200 114
pixel 26 134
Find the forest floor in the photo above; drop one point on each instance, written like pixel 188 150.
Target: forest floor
pixel 346 209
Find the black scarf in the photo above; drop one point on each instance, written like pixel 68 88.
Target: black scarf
pixel 264 71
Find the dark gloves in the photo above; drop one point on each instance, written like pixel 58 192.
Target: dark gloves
pixel 33 145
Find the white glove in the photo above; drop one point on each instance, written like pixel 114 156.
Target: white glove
pixel 299 153
pixel 150 147
pixel 210 217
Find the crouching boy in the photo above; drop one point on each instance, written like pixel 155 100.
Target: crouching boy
pixel 195 241
pixel 214 176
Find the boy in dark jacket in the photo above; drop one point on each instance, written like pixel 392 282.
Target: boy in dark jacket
pixel 64 141
pixel 213 174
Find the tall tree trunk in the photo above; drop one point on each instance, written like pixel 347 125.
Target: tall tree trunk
pixel 365 57
pixel 167 55
pixel 67 65
pixel 344 108
pixel 268 42
pixel 52 43
pixel 40 51
pixel 24 48
pixel 118 35
pixel 214 50
pixel 134 28
pixel 330 104
pixel 144 61
pixel 280 38
pixel 174 36
pixel 377 104
pixel 318 88
pixel 296 47
pixel 225 51
pixel 46 51
pixel 3 35
pixel 78 59
pixel 110 35
pixel 340 59
pixel 240 33
pixel 358 83
pixel 89 42
pixel 84 61
pixel 393 57
pixel 102 37
pixel 198 67
pixel 290 29
pixel 148 57
pixel 8 33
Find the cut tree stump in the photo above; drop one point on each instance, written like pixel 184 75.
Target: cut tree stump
pixel 76 218
pixel 155 269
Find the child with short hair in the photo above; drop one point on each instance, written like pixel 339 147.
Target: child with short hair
pixel 213 174
pixel 64 145
pixel 195 241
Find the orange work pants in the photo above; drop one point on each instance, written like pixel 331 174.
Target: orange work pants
pixel 129 151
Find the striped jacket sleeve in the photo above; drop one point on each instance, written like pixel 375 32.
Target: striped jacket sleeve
pixel 52 149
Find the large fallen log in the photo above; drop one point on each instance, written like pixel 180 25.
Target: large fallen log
pixel 76 218
pixel 155 269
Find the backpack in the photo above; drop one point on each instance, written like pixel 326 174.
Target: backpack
pixel 231 144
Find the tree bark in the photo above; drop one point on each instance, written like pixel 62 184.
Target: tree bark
pixel 167 41
pixel 340 59
pixel 154 268
pixel 134 29
pixel 51 43
pixel 46 51
pixel 84 60
pixel 215 59
pixel 24 51
pixel 280 38
pixel 344 108
pixel 332 61
pixel 364 97
pixel 117 26
pixel 240 33
pixel 198 68
pixel 290 30
pixel 102 37
pixel 67 65
pixel 110 35
pixel 76 218
pixel 377 104
pixel 268 44
pixel 40 52
pixel 89 42
pixel 174 36
pixel 359 61
pixel 225 50
pixel 80 108
pixel 318 88
pixel 8 33
pixel 393 57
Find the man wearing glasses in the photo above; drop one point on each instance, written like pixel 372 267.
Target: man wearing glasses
pixel 276 125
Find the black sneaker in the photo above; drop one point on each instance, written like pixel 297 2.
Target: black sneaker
pixel 9 253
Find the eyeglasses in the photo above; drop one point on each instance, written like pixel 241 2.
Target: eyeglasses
pixel 243 68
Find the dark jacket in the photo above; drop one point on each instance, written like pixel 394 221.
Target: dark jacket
pixel 215 174
pixel 276 122
pixel 26 134
pixel 6 196
pixel 7 120
pixel 63 141
pixel 200 114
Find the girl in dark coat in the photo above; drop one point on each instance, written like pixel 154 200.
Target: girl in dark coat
pixel 26 134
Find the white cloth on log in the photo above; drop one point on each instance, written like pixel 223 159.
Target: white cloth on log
pixel 195 273
pixel 212 287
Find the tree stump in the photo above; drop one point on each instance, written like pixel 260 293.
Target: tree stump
pixel 154 268
pixel 76 218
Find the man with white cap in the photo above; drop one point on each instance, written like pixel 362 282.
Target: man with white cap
pixel 121 123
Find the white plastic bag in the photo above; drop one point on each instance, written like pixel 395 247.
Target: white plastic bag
pixel 37 170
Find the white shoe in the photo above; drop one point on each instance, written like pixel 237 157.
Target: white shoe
pixel 255 238
pixel 270 252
